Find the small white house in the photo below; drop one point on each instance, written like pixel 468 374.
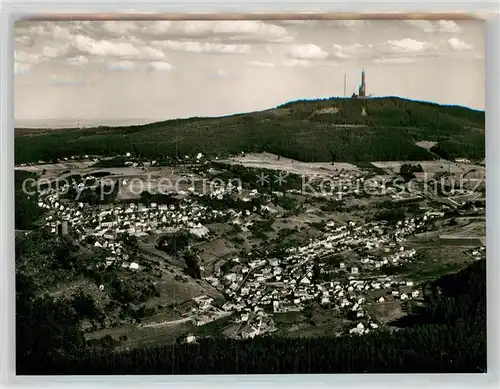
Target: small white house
pixel 134 266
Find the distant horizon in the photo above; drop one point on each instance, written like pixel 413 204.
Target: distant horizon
pixel 58 123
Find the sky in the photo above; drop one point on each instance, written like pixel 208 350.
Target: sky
pixel 131 72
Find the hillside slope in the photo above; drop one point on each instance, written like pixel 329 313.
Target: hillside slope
pixel 353 130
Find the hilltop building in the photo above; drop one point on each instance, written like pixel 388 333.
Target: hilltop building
pixel 362 87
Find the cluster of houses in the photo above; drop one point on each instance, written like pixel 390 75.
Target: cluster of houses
pixel 198 157
pixel 248 322
pixel 136 219
pixel 342 184
pixel 105 223
pixel 274 285
pixel 477 253
pixel 257 287
pixel 204 311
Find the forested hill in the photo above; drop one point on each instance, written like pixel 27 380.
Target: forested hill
pixel 309 130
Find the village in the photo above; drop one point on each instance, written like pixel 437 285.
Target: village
pixel 259 284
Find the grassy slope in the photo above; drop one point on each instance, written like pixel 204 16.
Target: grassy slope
pixel 295 130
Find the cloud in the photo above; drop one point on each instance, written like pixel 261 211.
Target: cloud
pixel 79 61
pixel 104 48
pixel 160 66
pixel 441 26
pixel 448 26
pixel 339 53
pixel 51 52
pixel 31 58
pixel 21 68
pixel 397 60
pixel 424 25
pixel 121 65
pixel 297 63
pixel 338 24
pixel 407 45
pixel 40 42
pixel 350 24
pixel 238 30
pixel 307 51
pixel 262 64
pixel 348 51
pixel 80 43
pixel 107 48
pixel 344 24
pixel 152 53
pixel 204 47
pixel 256 29
pixel 59 32
pixel 24 40
pixel 120 28
pixel 459 45
pixel 295 22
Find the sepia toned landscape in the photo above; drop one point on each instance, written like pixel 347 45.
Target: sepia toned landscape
pixel 239 228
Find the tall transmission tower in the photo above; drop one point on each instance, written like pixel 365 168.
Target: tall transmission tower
pixel 345 83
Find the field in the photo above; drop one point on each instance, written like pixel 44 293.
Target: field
pixel 129 181
pixel 426 144
pixel 431 167
pixel 273 162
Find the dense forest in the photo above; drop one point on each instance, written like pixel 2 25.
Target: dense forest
pixel 27 211
pixel 303 130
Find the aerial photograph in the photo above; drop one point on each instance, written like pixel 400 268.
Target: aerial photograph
pixel 249 197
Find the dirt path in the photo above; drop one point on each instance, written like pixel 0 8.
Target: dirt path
pixel 167 323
